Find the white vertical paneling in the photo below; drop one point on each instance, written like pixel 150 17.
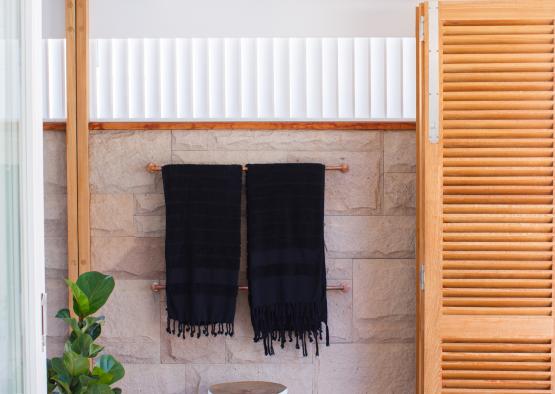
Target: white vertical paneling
pixel 377 78
pixel 313 78
pixel 56 79
pixel 394 81
pixel 329 78
pixel 297 82
pixel 168 83
pixel 183 78
pixel 119 87
pixel 152 78
pixel 248 78
pixel 345 78
pixel 216 78
pixel 136 70
pixel 409 80
pixel 281 78
pixel 200 78
pixel 93 62
pixel 45 88
pixel 265 82
pixel 104 80
pixel 232 70
pixel 362 78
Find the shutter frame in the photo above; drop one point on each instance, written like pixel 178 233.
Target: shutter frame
pixel 487 200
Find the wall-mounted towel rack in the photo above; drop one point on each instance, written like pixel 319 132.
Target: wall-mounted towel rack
pixel 344 167
pixel 156 287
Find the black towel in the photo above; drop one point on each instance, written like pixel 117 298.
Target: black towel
pixel 286 263
pixel 203 238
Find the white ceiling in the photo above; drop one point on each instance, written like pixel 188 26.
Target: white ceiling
pixel 226 18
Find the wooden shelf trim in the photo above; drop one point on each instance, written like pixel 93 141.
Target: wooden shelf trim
pixel 240 125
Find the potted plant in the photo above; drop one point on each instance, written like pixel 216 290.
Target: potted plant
pixel 81 369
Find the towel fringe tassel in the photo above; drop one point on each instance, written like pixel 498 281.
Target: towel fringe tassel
pixel 197 330
pixel 279 322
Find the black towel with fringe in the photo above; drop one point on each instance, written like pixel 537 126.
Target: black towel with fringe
pixel 203 242
pixel 286 262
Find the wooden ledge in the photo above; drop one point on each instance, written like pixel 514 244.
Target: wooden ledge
pixel 316 126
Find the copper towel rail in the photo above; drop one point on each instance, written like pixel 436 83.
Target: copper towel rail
pixel 157 287
pixel 344 167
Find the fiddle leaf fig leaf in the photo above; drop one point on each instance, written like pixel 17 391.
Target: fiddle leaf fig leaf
pixel 94 331
pixel 97 288
pixel 81 304
pixel 99 388
pixel 108 369
pixel 63 314
pixel 95 349
pixel 82 344
pixel 75 364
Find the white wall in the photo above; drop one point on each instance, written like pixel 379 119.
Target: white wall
pixel 226 18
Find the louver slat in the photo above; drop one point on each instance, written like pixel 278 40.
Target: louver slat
pixel 487 191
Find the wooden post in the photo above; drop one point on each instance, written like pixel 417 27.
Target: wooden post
pixel 77 134
pixel 82 115
pixel 71 145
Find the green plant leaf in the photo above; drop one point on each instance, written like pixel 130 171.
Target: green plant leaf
pixel 94 331
pixel 99 388
pixel 95 349
pixel 57 364
pixel 82 344
pixel 97 288
pixel 63 382
pixel 81 303
pixel 63 314
pixel 108 369
pixel 117 390
pixel 76 330
pixel 75 364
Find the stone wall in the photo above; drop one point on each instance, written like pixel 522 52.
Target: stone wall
pixel 370 242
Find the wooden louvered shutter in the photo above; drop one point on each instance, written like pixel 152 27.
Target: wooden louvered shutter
pixel 487 195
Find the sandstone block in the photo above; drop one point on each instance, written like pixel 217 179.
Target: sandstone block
pixel 55 215
pixel 339 269
pixel 54 153
pixel 194 140
pixel 370 236
pixel 55 346
pixel 400 194
pixel 277 140
pixel 153 379
pixel 132 329
pixel 179 350
pixel 112 215
pixel 340 313
pixel 129 257
pixel 228 157
pixel 383 288
pixel 57 299
pixel 245 350
pixel 366 368
pixel 118 161
pixel 399 151
pixel 150 226
pixel 356 192
pixel 55 253
pixel 150 204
